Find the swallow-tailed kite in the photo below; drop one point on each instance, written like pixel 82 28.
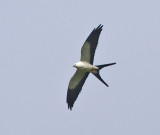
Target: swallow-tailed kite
pixel 85 66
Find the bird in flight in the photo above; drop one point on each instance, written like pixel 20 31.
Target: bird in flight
pixel 85 66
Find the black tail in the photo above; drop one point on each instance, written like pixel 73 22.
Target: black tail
pixel 98 75
pixel 104 65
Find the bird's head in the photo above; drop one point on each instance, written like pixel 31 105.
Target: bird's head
pixel 75 65
pixel 78 65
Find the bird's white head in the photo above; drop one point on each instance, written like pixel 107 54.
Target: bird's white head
pixel 77 65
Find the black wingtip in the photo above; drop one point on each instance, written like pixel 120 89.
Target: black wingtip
pixel 99 27
pixel 71 98
pixel 70 104
pixel 70 107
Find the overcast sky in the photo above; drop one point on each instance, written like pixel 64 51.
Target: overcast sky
pixel 40 40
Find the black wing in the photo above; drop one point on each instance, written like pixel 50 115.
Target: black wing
pixel 90 45
pixel 75 87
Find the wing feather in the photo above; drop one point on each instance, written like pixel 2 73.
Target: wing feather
pixel 75 86
pixel 90 45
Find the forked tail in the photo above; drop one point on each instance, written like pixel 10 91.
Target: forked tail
pixel 98 75
pixel 104 65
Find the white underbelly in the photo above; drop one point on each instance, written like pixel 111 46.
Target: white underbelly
pixel 86 66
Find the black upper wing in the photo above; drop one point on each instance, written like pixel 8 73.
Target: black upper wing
pixel 90 45
pixel 75 87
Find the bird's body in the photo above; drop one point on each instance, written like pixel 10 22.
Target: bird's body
pixel 85 66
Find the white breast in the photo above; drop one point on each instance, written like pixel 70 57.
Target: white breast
pixel 84 66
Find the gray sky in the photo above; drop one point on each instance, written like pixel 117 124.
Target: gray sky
pixel 41 40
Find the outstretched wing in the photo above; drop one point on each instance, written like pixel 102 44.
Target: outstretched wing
pixel 90 45
pixel 75 86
